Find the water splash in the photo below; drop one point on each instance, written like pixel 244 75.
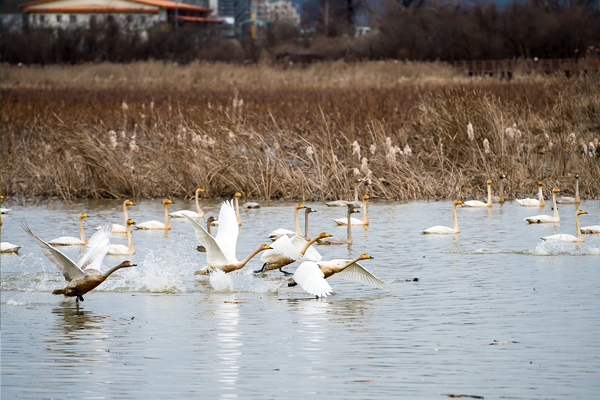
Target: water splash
pixel 220 281
pixel 555 248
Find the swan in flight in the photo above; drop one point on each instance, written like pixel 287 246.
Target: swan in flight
pixel 337 239
pixel 569 238
pixel 443 230
pixel 311 275
pixel 220 250
pixel 70 240
pixel 534 202
pixel 571 200
pixel 546 219
pixel 355 221
pixel 286 250
pixel 118 229
pixel 119 249
pixel 278 232
pixel 158 226
pixel 197 214
pixel 344 203
pixel 4 210
pixel 6 247
pixel 85 275
pixel 477 203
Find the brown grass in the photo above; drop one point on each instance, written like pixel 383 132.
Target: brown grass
pixel 288 133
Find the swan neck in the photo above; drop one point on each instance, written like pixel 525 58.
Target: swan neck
pixel 349 263
pixel 198 209
pixel 167 222
pixel 501 192
pixel 577 198
pixel 356 192
pixel 365 219
pixel 579 234
pixel 237 212
pixel 489 202
pixel 350 227
pixel 307 235
pixel 248 258
pixel 298 231
pixel 307 245
pixel 125 212
pixel 131 248
pixel 542 202
pixel 554 205
pixel 110 271
pixel 81 232
pixel 208 224
pixel 455 219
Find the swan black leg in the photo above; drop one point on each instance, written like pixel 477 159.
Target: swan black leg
pixel 79 297
pixel 258 271
pixel 285 272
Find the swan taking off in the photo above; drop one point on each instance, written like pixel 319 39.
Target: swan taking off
pixel 6 247
pixel 546 219
pixel 197 214
pixel 220 250
pixel 571 200
pixel 534 202
pixel 444 230
pixel 278 232
pixel 311 275
pixel 119 249
pixel 354 221
pixel 70 240
pixel 286 250
pixel 83 276
pixel 118 229
pixel 477 203
pixel 569 238
pixel 155 225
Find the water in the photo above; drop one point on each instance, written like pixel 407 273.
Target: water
pixel 156 331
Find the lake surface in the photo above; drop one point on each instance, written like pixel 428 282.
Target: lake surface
pixel 155 331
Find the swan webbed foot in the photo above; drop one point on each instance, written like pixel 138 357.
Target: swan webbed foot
pixel 285 272
pixel 292 284
pixel 79 298
pixel 258 271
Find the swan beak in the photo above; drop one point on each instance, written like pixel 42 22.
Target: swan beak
pixel 460 202
pixel 84 215
pixel 134 265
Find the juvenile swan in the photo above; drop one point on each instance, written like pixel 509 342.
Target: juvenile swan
pixel 197 214
pixel 155 225
pixel 83 276
pixel 477 203
pixel 534 202
pixel 546 219
pixel 444 230
pixel 354 221
pixel 70 240
pixel 569 238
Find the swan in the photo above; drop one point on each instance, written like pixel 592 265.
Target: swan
pixel 121 228
pixel 4 210
pixel 571 200
pixel 590 230
pixel 119 249
pixel 354 221
pixel 443 230
pixel 69 240
pixel 83 276
pixel 311 275
pixel 251 204
pixel 477 203
pixel 337 239
pixel 220 250
pixel 209 222
pixel 155 225
pixel 6 247
pixel 197 214
pixel 569 238
pixel 546 219
pixel 534 202
pixel 278 232
pixel 343 203
pixel 499 199
pixel 286 250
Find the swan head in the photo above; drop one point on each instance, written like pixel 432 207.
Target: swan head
pixel 238 194
pixel 555 190
pixel 83 215
pixel 365 256
pixel 456 202
pixel 540 183
pixel 127 264
pixel 199 190
pixel 310 210
pixel 1 197
pixel 130 222
pixel 299 206
pixel 359 180
pixel 580 212
pixel 167 201
pixel 323 235
pixel 502 176
pixel 211 219
pixel 352 210
pixel 489 182
pixel 129 203
pixel 365 197
pixel 265 247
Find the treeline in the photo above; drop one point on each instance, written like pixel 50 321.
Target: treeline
pixel 406 30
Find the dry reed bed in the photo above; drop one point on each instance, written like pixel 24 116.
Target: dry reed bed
pixel 278 134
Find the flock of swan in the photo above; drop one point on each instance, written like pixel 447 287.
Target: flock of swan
pixel 286 248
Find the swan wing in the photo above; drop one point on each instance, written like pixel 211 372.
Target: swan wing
pixel 69 269
pixel 96 248
pixel 214 254
pixel 310 278
pixel 182 213
pixel 282 248
pixel 358 273
pixel 311 253
pixel 228 230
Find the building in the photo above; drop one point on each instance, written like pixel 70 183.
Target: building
pixel 277 11
pixel 138 14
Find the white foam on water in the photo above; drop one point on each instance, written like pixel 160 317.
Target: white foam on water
pixel 220 281
pixel 12 302
pixel 556 248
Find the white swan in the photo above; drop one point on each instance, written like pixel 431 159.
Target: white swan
pixel 546 219
pixel 571 200
pixel 341 240
pixel 477 203
pixel 118 229
pixel 6 247
pixel 444 230
pixel 590 230
pixel 311 275
pixel 155 225
pixel 83 276
pixel 197 214
pixel 251 204
pixel 70 240
pixel 533 202
pixel 286 250
pixel 355 221
pixel 279 232
pixel 220 250
pixel 569 238
pixel 119 249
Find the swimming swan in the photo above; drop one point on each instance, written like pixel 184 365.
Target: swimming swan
pixel 590 230
pixel 443 230
pixel 337 239
pixel 311 275
pixel 278 232
pixel 220 250
pixel 534 202
pixel 569 238
pixel 546 219
pixel 354 221
pixel 197 214
pixel 477 203
pixel 83 276
pixel 286 250
pixel 119 249
pixel 571 200
pixel 6 247
pixel 70 240
pixel 155 225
